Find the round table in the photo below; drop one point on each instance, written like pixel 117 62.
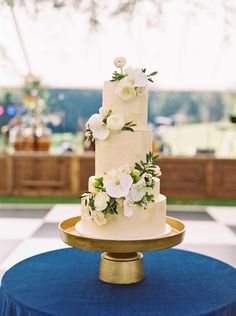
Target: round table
pixel 65 282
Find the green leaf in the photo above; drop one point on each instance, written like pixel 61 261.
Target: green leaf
pixel 153 73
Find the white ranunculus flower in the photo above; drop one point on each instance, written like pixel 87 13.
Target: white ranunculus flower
pixel 128 207
pixel 91 184
pixel 103 111
pixel 98 128
pixel 157 171
pixel 126 93
pixel 99 217
pixel 138 78
pixel 100 201
pixel 117 184
pixel 115 122
pixel 125 168
pixel 119 62
pixel 140 90
pixel 138 190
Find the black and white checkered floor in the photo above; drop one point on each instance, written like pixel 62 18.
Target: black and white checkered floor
pixel 26 230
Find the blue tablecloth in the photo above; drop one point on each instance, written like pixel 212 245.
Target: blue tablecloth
pixel 65 282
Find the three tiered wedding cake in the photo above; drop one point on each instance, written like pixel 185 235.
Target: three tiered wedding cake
pixel 124 200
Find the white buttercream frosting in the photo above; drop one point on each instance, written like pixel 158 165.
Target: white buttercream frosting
pixel 141 224
pixel 120 151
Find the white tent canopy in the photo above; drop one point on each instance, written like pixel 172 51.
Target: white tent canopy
pixel 188 52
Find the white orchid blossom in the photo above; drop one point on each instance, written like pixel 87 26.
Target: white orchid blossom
pixel 117 184
pixel 87 214
pixel 128 70
pixel 115 122
pixel 138 190
pixel 128 207
pixel 99 217
pixel 98 127
pixel 138 78
pixel 103 111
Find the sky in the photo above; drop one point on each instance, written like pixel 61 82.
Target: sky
pixel 188 51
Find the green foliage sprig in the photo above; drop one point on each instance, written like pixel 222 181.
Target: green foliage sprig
pixel 148 198
pixel 129 126
pixel 111 207
pixel 116 76
pixel 148 165
pixel 150 75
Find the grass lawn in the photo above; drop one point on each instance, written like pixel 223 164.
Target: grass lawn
pixel 74 200
pixel 39 200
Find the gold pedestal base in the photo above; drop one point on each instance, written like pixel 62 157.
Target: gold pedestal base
pixel 122 263
pixel 121 268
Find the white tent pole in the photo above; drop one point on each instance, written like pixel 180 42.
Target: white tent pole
pixel 21 40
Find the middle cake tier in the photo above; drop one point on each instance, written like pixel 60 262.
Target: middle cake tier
pixel 121 148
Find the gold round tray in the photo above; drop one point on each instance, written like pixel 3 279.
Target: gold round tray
pixel 121 262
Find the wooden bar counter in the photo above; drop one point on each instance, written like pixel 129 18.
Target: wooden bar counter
pixel 43 174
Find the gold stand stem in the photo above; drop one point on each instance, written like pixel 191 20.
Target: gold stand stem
pixel 121 268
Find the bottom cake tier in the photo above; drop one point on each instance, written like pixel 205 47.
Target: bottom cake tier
pixel 144 223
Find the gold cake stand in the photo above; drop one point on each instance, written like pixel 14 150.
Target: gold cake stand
pixel 121 260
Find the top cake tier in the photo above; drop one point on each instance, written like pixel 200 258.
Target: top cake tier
pixel 135 110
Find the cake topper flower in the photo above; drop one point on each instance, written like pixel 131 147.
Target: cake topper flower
pixel 126 188
pixel 132 81
pixel 119 62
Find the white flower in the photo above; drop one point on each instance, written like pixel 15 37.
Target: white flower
pixel 100 201
pixel 115 122
pixel 99 218
pixel 120 202
pixel 127 82
pixel 128 70
pixel 148 178
pixel 97 126
pixel 126 93
pixel 125 168
pixel 117 184
pixel 88 134
pixel 87 213
pixel 128 207
pixel 91 185
pixel 103 111
pixel 157 171
pixel 138 78
pixel 140 90
pixel 138 190
pixel 119 62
